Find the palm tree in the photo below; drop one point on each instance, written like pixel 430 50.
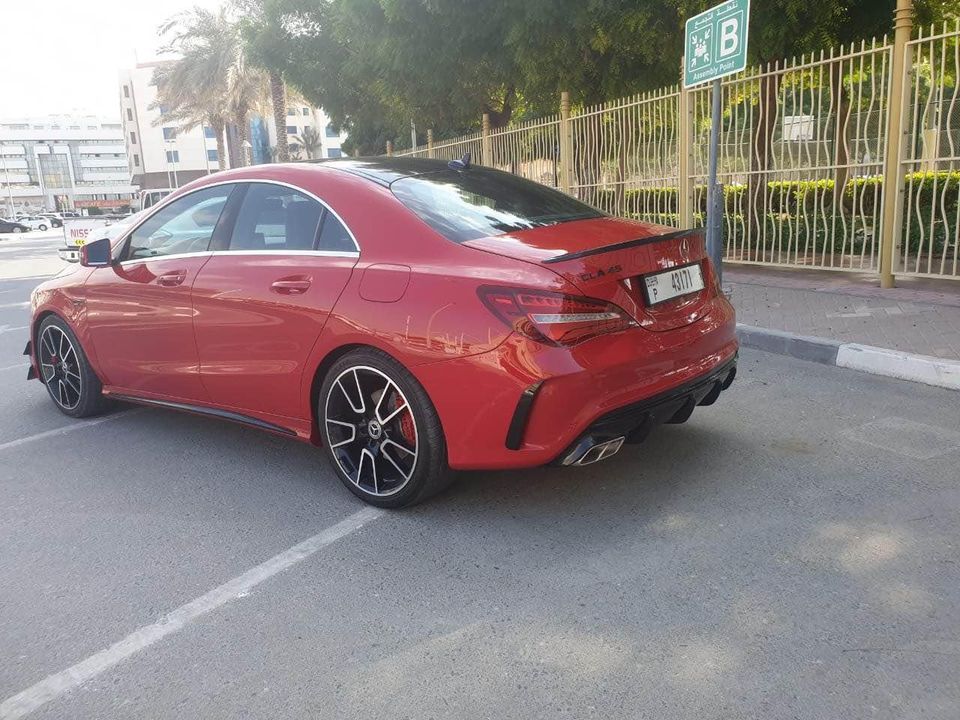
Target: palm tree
pixel 268 47
pixel 309 140
pixel 211 81
pixel 189 90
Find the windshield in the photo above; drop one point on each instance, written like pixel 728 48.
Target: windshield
pixel 478 202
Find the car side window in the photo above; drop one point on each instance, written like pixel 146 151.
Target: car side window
pixel 184 226
pixel 334 236
pixel 274 217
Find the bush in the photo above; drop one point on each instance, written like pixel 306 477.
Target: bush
pixel 803 210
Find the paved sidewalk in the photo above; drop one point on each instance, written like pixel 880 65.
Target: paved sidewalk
pixel 918 316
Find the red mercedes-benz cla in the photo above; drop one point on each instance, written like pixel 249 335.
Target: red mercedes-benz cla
pixel 411 316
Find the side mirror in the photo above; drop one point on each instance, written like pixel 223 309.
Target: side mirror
pixel 96 253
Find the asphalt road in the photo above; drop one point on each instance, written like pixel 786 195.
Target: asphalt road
pixel 791 552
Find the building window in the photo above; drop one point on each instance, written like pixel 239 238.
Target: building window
pixel 163 109
pixel 173 156
pixel 129 114
pixel 209 133
pixel 291 112
pixel 306 127
pixel 332 131
pixel 133 138
pixel 212 155
pixel 291 129
pixel 334 153
pixel 169 133
pixel 126 91
pixel 306 111
pixel 136 160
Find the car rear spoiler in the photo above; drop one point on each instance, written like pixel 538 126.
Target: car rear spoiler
pixel 623 245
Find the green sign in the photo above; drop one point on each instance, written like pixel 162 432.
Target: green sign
pixel 716 42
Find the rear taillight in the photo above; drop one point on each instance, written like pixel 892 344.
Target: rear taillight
pixel 554 318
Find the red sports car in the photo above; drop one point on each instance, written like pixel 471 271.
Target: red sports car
pixel 411 316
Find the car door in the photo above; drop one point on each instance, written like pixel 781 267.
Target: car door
pixel 139 310
pixel 261 302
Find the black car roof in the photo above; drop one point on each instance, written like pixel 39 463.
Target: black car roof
pixel 384 170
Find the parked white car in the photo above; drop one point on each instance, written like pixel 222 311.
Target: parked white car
pixel 35 222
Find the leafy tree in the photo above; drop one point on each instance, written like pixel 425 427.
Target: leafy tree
pixel 376 64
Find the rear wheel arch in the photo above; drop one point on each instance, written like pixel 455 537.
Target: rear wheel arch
pixel 320 373
pixel 426 474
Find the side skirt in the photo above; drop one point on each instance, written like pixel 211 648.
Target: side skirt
pixel 208 412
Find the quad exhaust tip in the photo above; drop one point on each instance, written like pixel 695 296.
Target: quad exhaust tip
pixel 600 451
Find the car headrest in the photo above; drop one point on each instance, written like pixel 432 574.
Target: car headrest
pixel 301 225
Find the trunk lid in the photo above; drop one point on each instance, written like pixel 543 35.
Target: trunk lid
pixel 606 258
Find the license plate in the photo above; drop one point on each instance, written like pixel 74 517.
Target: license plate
pixel 673 283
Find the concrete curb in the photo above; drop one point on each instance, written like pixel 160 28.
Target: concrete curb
pixel 878 361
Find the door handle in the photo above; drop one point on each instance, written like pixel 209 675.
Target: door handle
pixel 172 279
pixel 291 286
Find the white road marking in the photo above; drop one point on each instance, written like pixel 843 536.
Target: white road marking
pixel 50 688
pixel 79 425
pixel 14 367
pixel 7 328
pixel 15 305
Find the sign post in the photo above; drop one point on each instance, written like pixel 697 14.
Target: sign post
pixel 715 45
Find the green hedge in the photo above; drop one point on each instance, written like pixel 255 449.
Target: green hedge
pixel 931 195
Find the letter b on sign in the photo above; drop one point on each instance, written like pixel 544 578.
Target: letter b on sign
pixel 729 36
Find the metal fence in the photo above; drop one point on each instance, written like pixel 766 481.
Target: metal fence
pixel 929 177
pixel 625 156
pixel 801 148
pixel 804 158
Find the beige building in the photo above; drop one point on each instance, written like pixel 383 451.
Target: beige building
pixel 161 156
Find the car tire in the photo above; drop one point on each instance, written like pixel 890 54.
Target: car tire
pixel 66 372
pixel 381 432
pixel 42 228
pixel 17 230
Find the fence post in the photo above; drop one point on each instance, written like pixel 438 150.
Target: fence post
pixel 896 104
pixel 389 148
pixel 685 156
pixel 485 151
pixel 429 142
pixel 566 145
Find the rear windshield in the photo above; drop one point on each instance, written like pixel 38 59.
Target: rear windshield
pixel 478 202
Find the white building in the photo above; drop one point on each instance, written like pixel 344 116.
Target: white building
pixel 161 156
pixel 300 118
pixel 158 154
pixel 63 162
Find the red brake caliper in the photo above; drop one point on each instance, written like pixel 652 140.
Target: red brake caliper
pixel 406 422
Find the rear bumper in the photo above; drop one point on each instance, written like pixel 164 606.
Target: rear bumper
pixel 524 404
pixel 635 421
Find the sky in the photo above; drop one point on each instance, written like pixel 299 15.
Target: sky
pixel 62 56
